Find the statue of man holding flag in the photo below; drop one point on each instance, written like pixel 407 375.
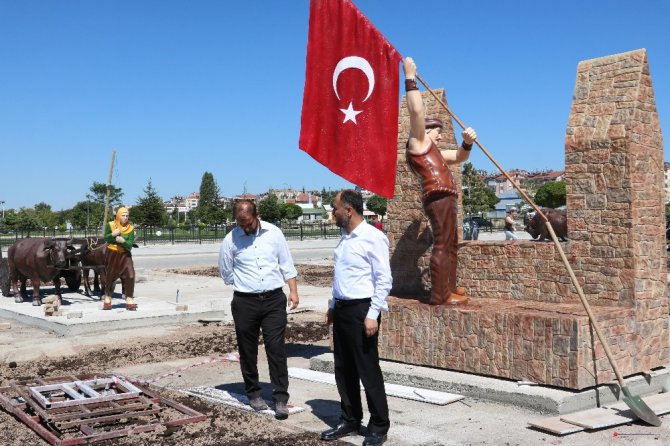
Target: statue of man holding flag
pixel 439 194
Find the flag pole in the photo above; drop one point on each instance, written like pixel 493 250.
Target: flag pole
pixel 638 406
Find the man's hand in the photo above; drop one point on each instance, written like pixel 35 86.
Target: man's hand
pixel 120 239
pixel 371 326
pixel 116 232
pixel 293 300
pixel 329 316
pixel 409 67
pixel 469 135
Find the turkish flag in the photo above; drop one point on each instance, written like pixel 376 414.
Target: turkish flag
pixel 350 108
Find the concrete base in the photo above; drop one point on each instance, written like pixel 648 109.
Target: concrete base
pixel 155 299
pixel 542 399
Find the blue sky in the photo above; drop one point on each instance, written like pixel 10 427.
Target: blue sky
pixel 181 87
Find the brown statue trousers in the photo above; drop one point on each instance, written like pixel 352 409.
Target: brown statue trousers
pixel 440 202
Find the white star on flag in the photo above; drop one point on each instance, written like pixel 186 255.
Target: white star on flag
pixel 350 114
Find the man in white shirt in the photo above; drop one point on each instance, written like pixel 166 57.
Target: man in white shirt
pixel 255 259
pixel 360 287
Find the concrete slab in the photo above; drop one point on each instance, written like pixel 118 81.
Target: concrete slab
pixel 539 398
pixel 556 425
pixel 396 390
pixel 155 297
pixel 599 418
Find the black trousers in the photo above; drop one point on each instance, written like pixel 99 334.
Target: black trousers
pixel 253 315
pixel 357 360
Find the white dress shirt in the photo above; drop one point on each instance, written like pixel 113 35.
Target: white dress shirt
pixel 257 262
pixel 362 268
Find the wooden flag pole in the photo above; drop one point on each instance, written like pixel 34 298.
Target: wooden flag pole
pixel 638 406
pixel 109 187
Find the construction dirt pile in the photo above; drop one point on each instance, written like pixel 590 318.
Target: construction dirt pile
pixel 314 275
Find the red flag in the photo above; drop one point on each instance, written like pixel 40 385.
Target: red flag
pixel 350 108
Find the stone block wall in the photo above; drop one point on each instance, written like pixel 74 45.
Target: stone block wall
pixel 614 175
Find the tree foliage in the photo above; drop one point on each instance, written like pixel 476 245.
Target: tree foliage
pixel 269 209
pixel 327 197
pixel 377 205
pixel 477 197
pixel 551 195
pixel 150 209
pixel 210 209
pixel 290 211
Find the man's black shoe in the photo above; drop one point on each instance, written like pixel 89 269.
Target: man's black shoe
pixel 374 440
pixel 341 430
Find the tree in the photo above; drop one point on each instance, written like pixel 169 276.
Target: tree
pixel 11 219
pixel 27 219
pixel 477 197
pixel 99 193
pixel 210 209
pixel 45 215
pixel 377 205
pixel 290 211
pixel 269 208
pixel 327 197
pixel 551 195
pixel 150 209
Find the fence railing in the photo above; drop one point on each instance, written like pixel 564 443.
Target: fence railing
pixel 163 235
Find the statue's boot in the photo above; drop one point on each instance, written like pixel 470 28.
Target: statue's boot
pixel 458 297
pixel 443 280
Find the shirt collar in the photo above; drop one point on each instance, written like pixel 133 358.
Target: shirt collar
pixel 357 230
pixel 262 227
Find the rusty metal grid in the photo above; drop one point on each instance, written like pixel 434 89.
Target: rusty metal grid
pixel 139 410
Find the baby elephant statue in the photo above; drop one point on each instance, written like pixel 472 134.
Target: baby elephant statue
pixel 536 227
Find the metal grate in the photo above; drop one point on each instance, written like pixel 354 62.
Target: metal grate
pixel 80 409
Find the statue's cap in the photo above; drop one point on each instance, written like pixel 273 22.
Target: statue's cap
pixel 432 123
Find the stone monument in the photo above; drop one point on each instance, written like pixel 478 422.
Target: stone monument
pixel 524 320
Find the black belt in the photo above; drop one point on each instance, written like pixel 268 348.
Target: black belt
pixel 262 294
pixel 348 302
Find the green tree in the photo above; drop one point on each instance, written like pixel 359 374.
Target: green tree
pixel 377 205
pixel 150 209
pixel 327 197
pixel 27 219
pixel 289 211
pixel 99 192
pixel 45 215
pixel 11 219
pixel 269 208
pixel 210 209
pixel 551 195
pixel 477 197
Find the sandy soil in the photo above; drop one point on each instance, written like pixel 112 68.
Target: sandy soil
pixel 315 275
pixel 225 426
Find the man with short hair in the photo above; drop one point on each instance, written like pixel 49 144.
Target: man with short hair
pixel 361 285
pixel 255 259
pixel 439 194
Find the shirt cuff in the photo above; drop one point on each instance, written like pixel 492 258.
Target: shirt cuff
pixel 372 314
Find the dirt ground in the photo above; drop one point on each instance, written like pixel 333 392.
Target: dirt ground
pixel 225 426
pixel 315 275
